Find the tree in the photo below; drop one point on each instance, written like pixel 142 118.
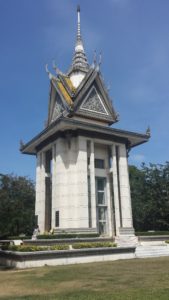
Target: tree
pixel 17 205
pixel 150 196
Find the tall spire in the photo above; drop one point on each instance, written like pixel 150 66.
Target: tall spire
pixel 79 62
pixel 78 23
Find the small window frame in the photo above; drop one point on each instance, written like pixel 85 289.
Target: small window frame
pixel 99 163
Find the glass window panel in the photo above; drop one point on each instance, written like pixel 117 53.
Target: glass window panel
pixel 100 184
pixel 102 213
pixel 101 205
pixel 102 227
pixel 99 163
pixel 101 198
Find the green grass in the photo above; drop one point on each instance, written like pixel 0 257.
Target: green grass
pixel 129 280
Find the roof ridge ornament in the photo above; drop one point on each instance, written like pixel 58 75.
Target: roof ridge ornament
pixel 57 70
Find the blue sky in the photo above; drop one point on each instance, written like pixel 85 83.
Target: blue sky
pixel 133 36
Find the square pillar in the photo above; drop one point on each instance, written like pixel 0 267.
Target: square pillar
pixel 81 192
pixel 40 191
pixel 54 187
pixel 92 186
pixel 116 190
pixel 127 219
pixel 125 233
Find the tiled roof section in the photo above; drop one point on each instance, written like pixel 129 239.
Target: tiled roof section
pixel 69 83
pixel 64 92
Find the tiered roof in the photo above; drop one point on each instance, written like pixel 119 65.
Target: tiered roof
pixel 83 108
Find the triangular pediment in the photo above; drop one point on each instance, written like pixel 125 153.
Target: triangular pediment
pixel 57 105
pixel 94 103
pixel 58 108
pixel 92 100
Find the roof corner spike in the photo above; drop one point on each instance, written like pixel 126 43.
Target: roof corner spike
pixel 56 68
pixel 100 58
pixel 48 72
pixel 95 58
pixel 148 131
pixel 21 144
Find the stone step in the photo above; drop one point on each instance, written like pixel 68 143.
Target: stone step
pixel 151 251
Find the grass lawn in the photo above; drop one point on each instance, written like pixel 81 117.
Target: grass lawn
pixel 126 279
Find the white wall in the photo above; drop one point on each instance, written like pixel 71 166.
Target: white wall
pixel 70 185
pixel 70 192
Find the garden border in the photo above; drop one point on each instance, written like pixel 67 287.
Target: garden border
pixel 22 260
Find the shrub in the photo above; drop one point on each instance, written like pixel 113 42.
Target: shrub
pixel 59 247
pixel 149 233
pixel 67 235
pixel 93 245
pixel 30 248
pixel 26 237
pixel 167 241
pixel 22 248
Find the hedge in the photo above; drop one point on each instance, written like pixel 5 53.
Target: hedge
pixel 149 233
pixel 93 245
pixel 30 248
pixel 67 235
pixel 16 237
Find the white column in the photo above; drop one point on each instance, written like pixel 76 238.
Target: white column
pixel 54 172
pixel 92 187
pixel 60 192
pixel 82 185
pixel 40 191
pixel 116 191
pixel 127 220
pixel 109 210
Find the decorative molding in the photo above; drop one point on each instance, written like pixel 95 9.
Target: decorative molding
pixel 93 103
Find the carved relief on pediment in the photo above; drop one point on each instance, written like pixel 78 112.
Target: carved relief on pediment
pixel 58 108
pixel 94 103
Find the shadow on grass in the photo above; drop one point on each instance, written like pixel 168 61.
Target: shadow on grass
pixel 5 268
pixel 97 295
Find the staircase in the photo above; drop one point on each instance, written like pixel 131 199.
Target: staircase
pixel 152 250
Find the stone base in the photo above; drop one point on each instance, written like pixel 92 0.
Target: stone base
pixel 126 237
pixel 21 260
pixel 144 251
